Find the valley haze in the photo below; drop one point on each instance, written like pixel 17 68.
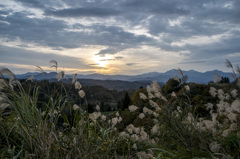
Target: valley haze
pixel 193 76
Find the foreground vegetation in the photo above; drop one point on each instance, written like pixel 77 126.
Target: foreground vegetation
pixel 180 120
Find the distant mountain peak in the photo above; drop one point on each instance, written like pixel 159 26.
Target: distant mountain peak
pixel 193 76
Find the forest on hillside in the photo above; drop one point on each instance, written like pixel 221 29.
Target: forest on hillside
pixel 42 119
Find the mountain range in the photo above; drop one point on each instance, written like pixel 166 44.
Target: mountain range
pixel 193 76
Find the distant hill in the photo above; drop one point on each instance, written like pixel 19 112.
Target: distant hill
pixel 193 76
pixel 115 84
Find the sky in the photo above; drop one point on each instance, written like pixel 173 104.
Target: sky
pixel 119 37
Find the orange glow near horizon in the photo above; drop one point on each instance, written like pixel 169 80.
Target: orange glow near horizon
pixel 102 61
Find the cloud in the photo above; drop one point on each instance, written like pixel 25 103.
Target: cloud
pixel 108 60
pixel 31 3
pixel 191 62
pixel 56 34
pixel 131 64
pixel 118 57
pixel 156 7
pixel 93 64
pixel 192 31
pixel 25 57
pixel 83 12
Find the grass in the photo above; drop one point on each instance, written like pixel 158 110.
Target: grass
pixel 170 127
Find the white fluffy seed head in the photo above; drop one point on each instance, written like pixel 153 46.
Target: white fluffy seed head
pixel 214 147
pixel 132 108
pixel 213 91
pixel 3 106
pixel 155 129
pixel 130 128
pixel 134 137
pixel 209 106
pixel 77 85
pixel 74 78
pixel 234 93
pixel 187 88
pixel 141 115
pixel 75 107
pixel 153 104
pixel 155 114
pixel 60 75
pixel 103 117
pixel 226 132
pixel 97 108
pixel 176 78
pixel 173 94
pixel 114 121
pixel 81 93
pixel 134 147
pixel 236 105
pixel 142 96
pixel 95 115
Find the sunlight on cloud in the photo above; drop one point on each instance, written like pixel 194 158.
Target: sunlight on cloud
pixel 144 59
pixel 21 68
pixel 174 22
pixel 102 60
pixel 87 53
pixel 201 40
pixel 9 5
pixel 82 52
pixel 237 54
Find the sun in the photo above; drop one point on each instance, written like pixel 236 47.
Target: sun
pixel 101 60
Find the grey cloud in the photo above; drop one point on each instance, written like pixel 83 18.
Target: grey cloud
pixel 31 3
pixel 53 33
pixel 25 57
pixel 3 13
pixel 41 31
pixel 191 62
pixel 199 18
pixel 216 12
pixel 117 39
pixel 103 9
pixel 156 7
pixel 118 57
pixel 108 60
pixel 110 50
pixel 83 12
pixel 131 64
pixel 221 48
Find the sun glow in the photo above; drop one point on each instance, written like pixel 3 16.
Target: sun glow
pixel 102 61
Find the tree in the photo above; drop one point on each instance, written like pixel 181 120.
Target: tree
pixel 102 106
pixel 170 86
pixel 135 98
pixel 224 80
pixel 126 101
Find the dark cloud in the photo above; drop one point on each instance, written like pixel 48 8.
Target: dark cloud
pixel 54 33
pixel 83 12
pixel 223 47
pixel 112 24
pixel 118 57
pixel 31 3
pixel 131 64
pixel 191 62
pixel 41 31
pixel 156 7
pixel 110 50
